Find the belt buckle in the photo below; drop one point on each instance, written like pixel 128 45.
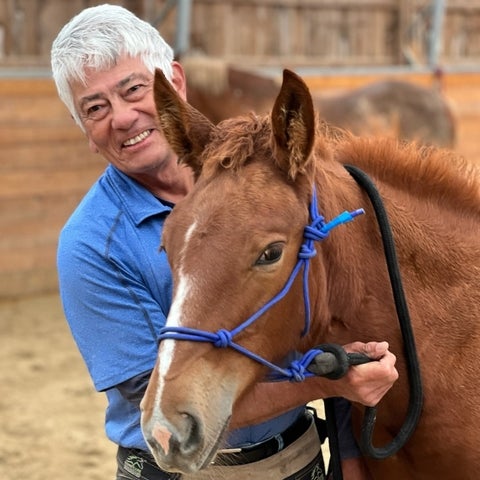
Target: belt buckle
pixel 225 451
pixel 229 450
pixel 281 443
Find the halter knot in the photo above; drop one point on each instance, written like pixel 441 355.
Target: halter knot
pixel 306 252
pixel 297 370
pixel 224 338
pixel 312 232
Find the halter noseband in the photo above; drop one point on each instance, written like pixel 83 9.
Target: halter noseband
pixel 297 370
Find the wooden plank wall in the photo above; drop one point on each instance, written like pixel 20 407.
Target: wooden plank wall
pixel 45 169
pixel 333 32
pixel 319 32
pixel 28 27
pixel 324 33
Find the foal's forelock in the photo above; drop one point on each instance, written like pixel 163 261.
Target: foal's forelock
pixel 237 140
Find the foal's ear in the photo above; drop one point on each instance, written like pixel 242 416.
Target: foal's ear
pixel 185 128
pixel 293 125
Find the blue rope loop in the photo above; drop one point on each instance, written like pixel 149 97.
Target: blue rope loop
pixel 297 370
pixel 224 339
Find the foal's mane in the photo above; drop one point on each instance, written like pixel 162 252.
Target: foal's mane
pixel 431 172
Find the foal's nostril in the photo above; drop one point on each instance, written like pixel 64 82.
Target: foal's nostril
pixel 181 437
pixel 191 431
pixel 161 435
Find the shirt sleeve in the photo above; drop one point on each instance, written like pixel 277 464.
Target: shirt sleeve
pixel 110 308
pixel 134 388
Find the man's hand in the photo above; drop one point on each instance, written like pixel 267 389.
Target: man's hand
pixel 368 383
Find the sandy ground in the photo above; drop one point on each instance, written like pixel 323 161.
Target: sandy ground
pixel 51 418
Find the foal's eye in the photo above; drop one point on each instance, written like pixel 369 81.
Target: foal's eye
pixel 271 254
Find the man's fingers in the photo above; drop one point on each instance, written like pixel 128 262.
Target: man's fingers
pixel 376 350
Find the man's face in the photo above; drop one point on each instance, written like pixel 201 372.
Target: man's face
pixel 118 112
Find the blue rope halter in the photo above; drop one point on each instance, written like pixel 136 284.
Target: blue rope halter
pixel 297 370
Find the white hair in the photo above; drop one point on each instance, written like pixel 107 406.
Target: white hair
pixel 96 38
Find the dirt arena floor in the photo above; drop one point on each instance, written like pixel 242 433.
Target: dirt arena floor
pixel 51 419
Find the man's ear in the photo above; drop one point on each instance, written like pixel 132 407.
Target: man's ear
pixel 179 80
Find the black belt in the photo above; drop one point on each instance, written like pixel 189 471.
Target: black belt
pixel 260 451
pixel 147 467
pixel 141 464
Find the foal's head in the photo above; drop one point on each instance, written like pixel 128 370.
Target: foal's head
pixel 232 243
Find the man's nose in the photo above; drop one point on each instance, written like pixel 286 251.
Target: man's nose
pixel 124 115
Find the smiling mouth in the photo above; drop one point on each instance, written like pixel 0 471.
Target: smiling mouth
pixel 137 139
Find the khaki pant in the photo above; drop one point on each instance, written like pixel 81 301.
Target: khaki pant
pixel 276 467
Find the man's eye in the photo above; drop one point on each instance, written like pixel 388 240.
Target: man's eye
pixel 134 88
pixel 93 109
pixel 136 92
pixel 96 112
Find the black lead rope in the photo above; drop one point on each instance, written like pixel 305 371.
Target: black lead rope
pixel 334 362
pixel 416 390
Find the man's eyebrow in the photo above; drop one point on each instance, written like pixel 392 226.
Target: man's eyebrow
pixel 90 98
pixel 133 76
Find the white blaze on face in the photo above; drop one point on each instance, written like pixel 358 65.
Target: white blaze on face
pixel 167 348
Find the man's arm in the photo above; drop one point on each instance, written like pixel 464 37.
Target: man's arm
pixel 365 384
pixel 133 389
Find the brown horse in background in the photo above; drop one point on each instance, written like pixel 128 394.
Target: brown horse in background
pixel 235 239
pixel 402 109
pixel 398 108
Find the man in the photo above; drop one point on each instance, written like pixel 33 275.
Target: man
pixel 115 284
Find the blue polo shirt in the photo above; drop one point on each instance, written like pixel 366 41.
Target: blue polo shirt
pixel 116 290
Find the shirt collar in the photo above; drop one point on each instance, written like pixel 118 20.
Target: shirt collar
pixel 137 201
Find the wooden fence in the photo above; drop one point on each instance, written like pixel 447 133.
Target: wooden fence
pixel 45 169
pixel 316 32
